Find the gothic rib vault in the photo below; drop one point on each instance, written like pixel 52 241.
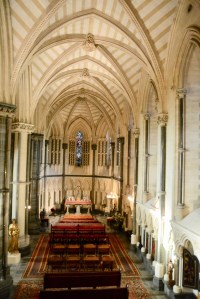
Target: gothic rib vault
pixel 89 61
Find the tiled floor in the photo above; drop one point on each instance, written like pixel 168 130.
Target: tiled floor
pixel 18 270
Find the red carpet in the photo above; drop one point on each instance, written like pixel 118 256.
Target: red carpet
pixel 32 282
pixel 37 264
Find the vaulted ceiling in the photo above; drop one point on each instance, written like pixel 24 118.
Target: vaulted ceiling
pixel 89 60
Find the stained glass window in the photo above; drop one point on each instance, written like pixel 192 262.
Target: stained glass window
pixel 79 148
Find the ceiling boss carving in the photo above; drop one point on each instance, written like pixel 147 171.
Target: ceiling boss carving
pixel 85 73
pixel 89 44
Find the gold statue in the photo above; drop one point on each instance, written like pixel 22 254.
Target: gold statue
pixel 13 232
pixel 171 281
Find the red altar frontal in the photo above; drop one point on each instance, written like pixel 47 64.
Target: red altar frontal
pixel 78 203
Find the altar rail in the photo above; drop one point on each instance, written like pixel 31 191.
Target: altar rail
pixel 78 221
pixel 82 279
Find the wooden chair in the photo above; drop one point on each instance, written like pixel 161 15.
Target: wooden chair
pixel 73 262
pixel 91 262
pixel 73 249
pixel 89 249
pixel 107 262
pixel 103 249
pixel 58 249
pixel 55 262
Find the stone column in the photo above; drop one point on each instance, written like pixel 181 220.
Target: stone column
pixel 65 147
pixel 136 133
pixel 177 287
pixel 143 249
pixel 148 255
pixel 121 141
pixel 7 112
pixel 94 147
pixel 19 195
pixel 154 248
pixel 129 157
pixel 159 268
pixel 138 231
pixel 27 210
pixel 146 152
pixel 35 162
pixel 45 200
pixel 181 148
pixel 113 158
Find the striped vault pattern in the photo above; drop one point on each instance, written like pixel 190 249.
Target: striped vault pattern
pixel 126 35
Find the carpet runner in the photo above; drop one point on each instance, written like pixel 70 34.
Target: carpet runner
pixel 32 282
pixel 38 262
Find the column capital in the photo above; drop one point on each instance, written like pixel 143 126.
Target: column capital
pixel 147 116
pixel 136 132
pixel 94 147
pixel 121 140
pixel 181 92
pixel 162 119
pixel 65 146
pixel 37 136
pixel 7 110
pixel 22 128
pixel 112 144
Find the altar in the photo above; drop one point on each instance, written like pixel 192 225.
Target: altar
pixel 78 203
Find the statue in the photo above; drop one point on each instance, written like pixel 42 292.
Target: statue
pixel 13 232
pixel 78 193
pixel 171 281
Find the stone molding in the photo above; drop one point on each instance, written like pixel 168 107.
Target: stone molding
pixel 136 132
pixel 7 110
pixel 37 137
pixel 181 235
pixel 162 119
pixel 181 92
pixel 147 116
pixel 23 128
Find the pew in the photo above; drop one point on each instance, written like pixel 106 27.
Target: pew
pixel 82 279
pixel 71 232
pixel 104 293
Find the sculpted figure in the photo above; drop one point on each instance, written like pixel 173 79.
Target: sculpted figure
pixel 14 236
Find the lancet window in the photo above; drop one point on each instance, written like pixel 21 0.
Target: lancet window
pixel 104 152
pixel 55 151
pixel 79 150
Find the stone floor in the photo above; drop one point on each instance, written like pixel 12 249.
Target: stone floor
pixel 18 270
